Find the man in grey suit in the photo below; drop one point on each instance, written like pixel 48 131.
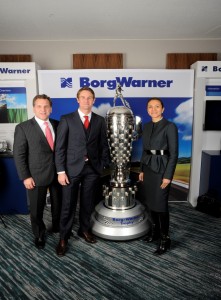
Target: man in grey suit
pixel 34 159
pixel 82 152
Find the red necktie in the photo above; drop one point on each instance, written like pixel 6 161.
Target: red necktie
pixel 48 135
pixel 86 122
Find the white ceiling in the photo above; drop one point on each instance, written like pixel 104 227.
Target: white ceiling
pixel 113 19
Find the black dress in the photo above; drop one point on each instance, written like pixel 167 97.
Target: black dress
pixel 162 135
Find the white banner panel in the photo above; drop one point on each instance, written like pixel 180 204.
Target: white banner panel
pixel 207 69
pixel 135 83
pixel 18 86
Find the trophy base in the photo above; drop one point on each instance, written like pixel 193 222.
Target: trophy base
pixel 120 225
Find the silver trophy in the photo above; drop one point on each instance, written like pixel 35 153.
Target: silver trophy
pixel 120 216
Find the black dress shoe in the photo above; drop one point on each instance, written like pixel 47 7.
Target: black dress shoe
pixel 89 237
pixel 39 243
pixel 61 248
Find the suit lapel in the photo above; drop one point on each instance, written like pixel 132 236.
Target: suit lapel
pixel 53 125
pixel 78 123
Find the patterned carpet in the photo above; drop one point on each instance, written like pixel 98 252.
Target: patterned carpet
pixel 112 270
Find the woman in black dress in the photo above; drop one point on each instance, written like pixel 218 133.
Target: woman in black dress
pixel 158 163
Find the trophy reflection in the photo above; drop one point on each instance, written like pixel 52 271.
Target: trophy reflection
pixel 120 216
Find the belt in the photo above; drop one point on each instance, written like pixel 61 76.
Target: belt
pixel 157 152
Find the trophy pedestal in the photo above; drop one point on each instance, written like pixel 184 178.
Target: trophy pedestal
pixel 120 225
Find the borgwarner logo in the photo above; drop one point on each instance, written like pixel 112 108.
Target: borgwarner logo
pixel 125 82
pixel 66 82
pixel 14 71
pixel 204 68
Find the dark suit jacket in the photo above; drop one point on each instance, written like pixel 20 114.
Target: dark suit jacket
pixel 73 144
pixel 164 137
pixel 32 153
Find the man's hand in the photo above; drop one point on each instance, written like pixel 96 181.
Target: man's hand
pixel 63 179
pixel 29 183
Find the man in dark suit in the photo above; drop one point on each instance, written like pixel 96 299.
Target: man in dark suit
pixel 34 159
pixel 81 154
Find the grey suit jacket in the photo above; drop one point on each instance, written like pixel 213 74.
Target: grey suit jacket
pixel 73 144
pixel 32 153
pixel 163 137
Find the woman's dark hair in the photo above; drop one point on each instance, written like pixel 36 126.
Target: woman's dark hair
pixel 155 98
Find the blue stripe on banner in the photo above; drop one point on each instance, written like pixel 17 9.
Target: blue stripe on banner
pixel 12 90
pixel 213 90
pixel 213 93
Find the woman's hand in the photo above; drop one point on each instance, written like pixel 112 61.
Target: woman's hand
pixel 165 183
pixel 141 176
